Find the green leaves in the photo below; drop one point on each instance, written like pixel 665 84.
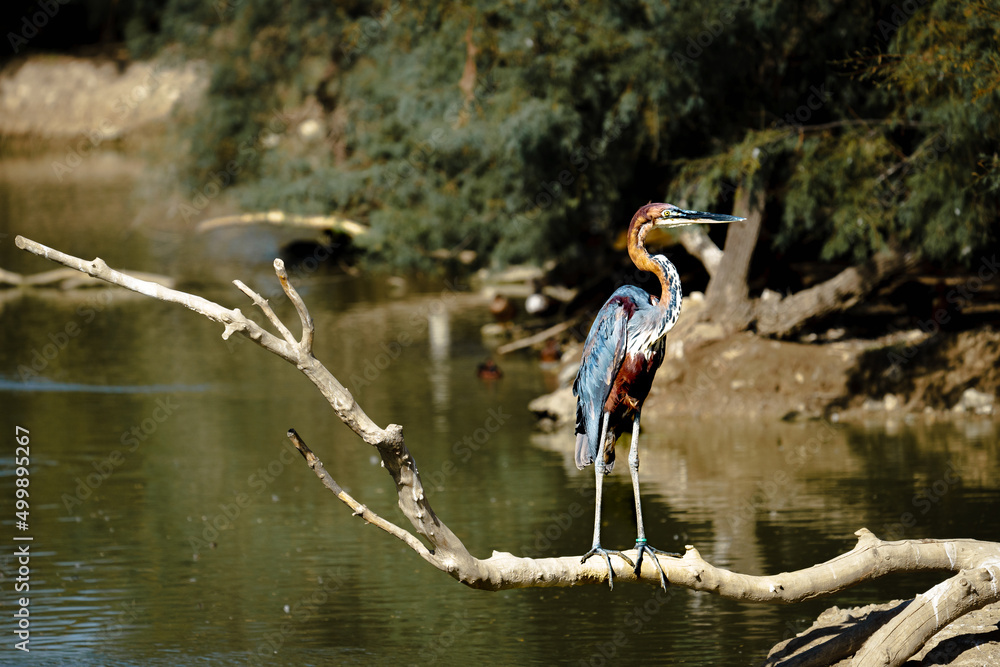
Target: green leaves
pixel 521 130
pixel 893 155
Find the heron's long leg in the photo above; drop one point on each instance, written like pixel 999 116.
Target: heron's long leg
pixel 599 477
pixel 599 474
pixel 640 543
pixel 633 468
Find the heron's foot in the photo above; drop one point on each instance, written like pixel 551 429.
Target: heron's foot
pixel 598 550
pixel 643 548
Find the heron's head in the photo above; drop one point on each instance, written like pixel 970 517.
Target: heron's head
pixel 668 215
pixel 664 215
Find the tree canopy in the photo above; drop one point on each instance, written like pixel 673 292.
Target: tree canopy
pixel 526 131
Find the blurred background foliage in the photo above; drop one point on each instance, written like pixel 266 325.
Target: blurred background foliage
pixel 528 131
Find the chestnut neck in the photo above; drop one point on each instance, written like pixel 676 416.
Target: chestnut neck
pixel 637 232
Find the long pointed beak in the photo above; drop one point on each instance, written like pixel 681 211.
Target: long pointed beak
pixel 694 217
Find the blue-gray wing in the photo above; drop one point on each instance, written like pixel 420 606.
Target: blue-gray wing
pixel 603 354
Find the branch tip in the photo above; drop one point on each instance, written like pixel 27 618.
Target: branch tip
pixel 300 445
pixel 305 345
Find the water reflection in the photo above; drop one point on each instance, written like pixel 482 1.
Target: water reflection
pixel 439 342
pixel 207 539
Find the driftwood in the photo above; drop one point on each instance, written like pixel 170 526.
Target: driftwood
pixel 976 564
pixel 70 279
pixel 839 293
pixel 283 219
pixel 539 337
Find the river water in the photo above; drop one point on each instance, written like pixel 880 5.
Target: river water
pixel 171 523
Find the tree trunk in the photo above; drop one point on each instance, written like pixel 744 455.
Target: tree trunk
pixel 727 297
pixel 839 293
pixel 698 244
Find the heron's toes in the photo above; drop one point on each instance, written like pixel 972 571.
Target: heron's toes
pixel 642 548
pixel 597 549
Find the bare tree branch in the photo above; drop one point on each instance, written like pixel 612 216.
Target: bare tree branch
pixel 976 563
pixel 69 279
pixel 359 510
pixel 539 337
pixel 282 219
pixel 300 307
pixel 698 244
pixel 836 294
pixel 265 308
pixel 12 278
pixel 890 636
pixel 821 645
pixel 971 589
pixel 449 553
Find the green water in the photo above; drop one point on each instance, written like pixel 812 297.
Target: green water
pixel 171 524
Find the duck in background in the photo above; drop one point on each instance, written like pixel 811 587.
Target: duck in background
pixel 489 371
pixel 502 309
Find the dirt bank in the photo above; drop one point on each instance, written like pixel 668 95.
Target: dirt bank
pixel 63 97
pixel 905 373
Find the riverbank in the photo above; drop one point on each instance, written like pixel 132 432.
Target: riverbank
pixel 47 101
pixel 901 376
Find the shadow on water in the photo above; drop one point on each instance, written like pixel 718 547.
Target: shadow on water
pixel 173 523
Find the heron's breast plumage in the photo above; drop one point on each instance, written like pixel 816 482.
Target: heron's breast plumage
pixel 623 351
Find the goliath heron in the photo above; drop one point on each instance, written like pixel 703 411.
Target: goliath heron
pixel 623 351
